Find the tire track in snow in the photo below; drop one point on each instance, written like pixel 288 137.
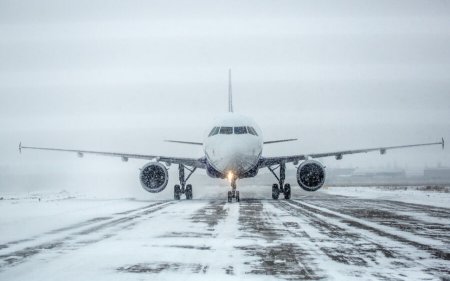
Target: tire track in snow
pixel 197 235
pixel 412 218
pixel 273 250
pixel 74 240
pixel 72 227
pixel 379 230
pixel 353 245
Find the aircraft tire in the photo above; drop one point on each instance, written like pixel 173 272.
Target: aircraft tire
pixel 176 192
pixel 275 191
pixel 287 191
pixel 189 192
pixel 230 197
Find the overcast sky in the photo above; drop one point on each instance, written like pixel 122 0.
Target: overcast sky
pixel 124 75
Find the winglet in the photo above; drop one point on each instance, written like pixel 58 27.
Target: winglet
pixel 20 147
pixel 230 92
pixel 443 143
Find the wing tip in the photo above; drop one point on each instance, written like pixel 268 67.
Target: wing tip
pixel 20 147
pixel 443 143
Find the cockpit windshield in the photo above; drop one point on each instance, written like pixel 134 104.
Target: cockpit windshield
pixel 241 130
pixel 252 131
pixel 214 131
pixel 226 130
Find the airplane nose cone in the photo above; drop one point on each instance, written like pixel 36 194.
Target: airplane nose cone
pixel 237 157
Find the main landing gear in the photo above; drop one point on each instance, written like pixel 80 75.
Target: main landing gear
pixel 233 193
pixel 182 187
pixel 278 188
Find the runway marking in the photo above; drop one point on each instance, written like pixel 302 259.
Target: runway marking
pixel 156 268
pixel 74 240
pixel 224 257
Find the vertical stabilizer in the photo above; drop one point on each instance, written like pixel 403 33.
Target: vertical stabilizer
pixel 230 93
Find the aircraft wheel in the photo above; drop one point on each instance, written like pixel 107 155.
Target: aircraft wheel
pixel 275 191
pixel 230 196
pixel 176 192
pixel 237 196
pixel 189 192
pixel 287 191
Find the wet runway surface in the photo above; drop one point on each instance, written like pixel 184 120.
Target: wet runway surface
pixel 322 237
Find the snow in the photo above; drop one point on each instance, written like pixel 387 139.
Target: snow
pixel 402 194
pixel 30 214
pixel 315 236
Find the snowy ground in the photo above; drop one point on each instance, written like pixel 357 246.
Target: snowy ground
pixel 411 194
pixel 364 235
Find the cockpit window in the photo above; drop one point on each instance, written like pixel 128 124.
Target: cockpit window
pixel 252 131
pixel 214 131
pixel 240 130
pixel 226 130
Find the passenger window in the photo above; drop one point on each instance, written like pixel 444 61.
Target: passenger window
pixel 214 131
pixel 226 130
pixel 240 130
pixel 252 131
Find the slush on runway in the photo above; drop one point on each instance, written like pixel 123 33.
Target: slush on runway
pixel 312 237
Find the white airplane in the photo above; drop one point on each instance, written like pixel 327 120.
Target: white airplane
pixel 233 150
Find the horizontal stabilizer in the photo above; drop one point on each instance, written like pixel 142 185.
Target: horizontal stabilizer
pixel 185 142
pixel 277 141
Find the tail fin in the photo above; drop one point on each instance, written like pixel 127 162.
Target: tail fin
pixel 230 93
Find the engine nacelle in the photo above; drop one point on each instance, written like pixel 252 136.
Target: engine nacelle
pixel 154 177
pixel 311 175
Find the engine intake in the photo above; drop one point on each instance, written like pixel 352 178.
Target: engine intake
pixel 154 177
pixel 311 175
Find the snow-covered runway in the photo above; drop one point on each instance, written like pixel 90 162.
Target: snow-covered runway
pixel 314 237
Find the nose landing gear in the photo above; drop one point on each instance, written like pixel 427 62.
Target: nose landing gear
pixel 233 193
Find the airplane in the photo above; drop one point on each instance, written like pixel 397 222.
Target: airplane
pixel 232 150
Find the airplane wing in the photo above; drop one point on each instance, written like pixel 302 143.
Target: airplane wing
pixel 184 142
pixel 269 161
pixel 193 162
pixel 277 141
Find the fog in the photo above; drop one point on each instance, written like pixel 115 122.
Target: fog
pixel 125 75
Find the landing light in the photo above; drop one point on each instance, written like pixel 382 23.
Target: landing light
pixel 230 176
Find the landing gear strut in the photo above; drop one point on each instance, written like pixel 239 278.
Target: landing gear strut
pixel 281 187
pixel 182 187
pixel 233 193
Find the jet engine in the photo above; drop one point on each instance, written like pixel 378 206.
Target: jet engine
pixel 311 175
pixel 154 177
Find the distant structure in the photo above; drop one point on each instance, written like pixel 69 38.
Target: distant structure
pixel 381 175
pixel 386 176
pixel 437 173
